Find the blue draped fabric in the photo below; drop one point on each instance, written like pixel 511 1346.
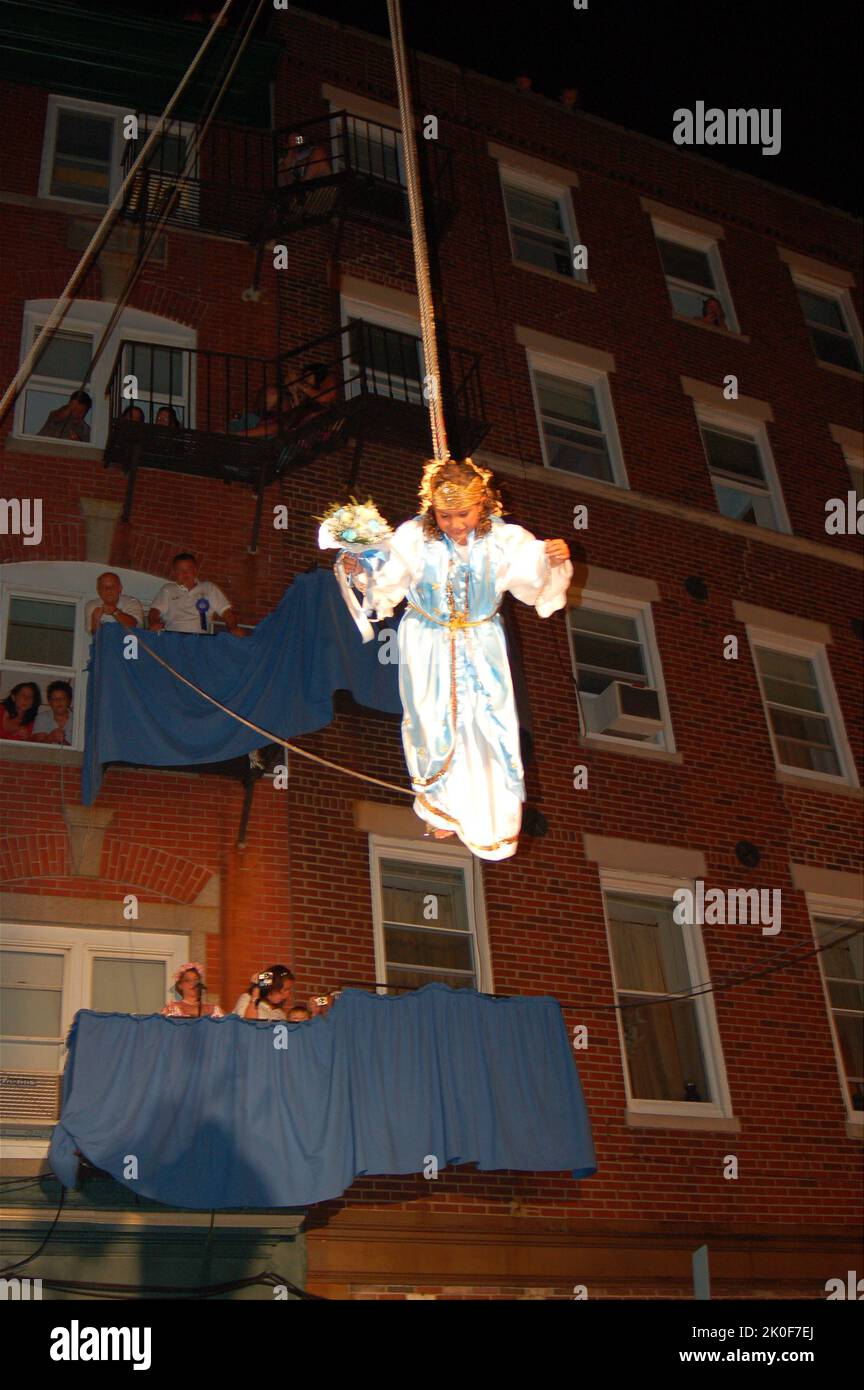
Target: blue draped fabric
pixel 282 677
pixel 218 1114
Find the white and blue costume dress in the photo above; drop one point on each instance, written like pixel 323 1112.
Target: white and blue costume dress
pixel 460 730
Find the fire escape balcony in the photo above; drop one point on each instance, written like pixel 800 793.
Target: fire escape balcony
pixel 257 186
pixel 251 420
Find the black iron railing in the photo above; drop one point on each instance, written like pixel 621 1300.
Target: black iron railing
pixel 250 420
pixel 250 185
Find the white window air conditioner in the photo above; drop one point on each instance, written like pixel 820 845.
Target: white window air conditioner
pixel 29 1096
pixel 624 709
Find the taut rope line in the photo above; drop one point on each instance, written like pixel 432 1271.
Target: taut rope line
pixel 418 233
pixel 274 738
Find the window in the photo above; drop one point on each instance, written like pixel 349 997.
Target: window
pixel 82 151
pixel 165 164
pixel 576 420
pixel 48 973
pixel 376 152
pixel 742 471
pixel 841 962
pixel 389 344
pixel 162 374
pixel 831 322
pixel 694 273
pixel 63 367
pixel 801 708
pixel 855 464
pixel 541 224
pixel 613 641
pixel 668 1035
pixel 428 917
pixel 44 647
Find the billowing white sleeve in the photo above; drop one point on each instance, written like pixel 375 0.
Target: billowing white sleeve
pixel 526 573
pixel 386 577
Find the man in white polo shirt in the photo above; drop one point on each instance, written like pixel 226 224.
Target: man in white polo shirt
pixel 112 605
pixel 189 604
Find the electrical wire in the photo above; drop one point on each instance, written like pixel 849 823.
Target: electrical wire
pixel 63 304
pixel 178 181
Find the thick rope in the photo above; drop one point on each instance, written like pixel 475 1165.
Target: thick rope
pixel 274 738
pixel 418 233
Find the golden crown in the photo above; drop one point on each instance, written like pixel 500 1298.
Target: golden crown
pixel 451 494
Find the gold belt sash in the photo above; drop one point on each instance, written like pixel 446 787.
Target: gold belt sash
pixel 457 621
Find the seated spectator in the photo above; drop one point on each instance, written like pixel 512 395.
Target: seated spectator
pixel 112 606
pixel 67 421
pixel 166 415
pixel 134 415
pixel 271 416
pixel 299 1014
pixel 19 710
pixel 315 390
pixel 189 987
pixel 302 160
pixel 54 724
pixel 712 312
pixel 266 994
pixel 189 604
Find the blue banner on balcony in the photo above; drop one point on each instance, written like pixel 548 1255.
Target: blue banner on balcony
pixel 282 676
pixel 219 1113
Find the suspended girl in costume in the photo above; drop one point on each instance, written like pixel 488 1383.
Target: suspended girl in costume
pixel 454 562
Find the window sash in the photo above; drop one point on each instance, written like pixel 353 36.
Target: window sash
pixel 90 187
pixel 796 727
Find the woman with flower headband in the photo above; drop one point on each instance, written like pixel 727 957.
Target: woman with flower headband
pixel 454 563
pixel 189 986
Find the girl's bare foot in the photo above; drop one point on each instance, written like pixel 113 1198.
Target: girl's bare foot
pixel 442 834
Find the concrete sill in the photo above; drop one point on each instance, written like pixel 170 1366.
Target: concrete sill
pixel 841 371
pixel 638 750
pixel 554 275
pixel 635 1119
pixel 62 448
pixel 712 328
pixel 820 784
pixel 14 752
pixel 855 1130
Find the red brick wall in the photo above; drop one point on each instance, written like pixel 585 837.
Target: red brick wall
pixel 300 891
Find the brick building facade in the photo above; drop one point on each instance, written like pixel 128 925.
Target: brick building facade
pixel 704 520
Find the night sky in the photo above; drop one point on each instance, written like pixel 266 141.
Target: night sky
pixel 635 61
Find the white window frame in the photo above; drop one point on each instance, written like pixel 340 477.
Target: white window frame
pixel 372 313
pixel 800 646
pixel 62 581
pixel 58 103
pixel 585 376
pixel 843 299
pixel 80 946
pixel 416 852
pixel 530 183
pixel 698 241
pixel 90 317
pixel 755 430
pixel 75 674
pixel 855 463
pixel 842 909
pixel 641 612
pixel 661 886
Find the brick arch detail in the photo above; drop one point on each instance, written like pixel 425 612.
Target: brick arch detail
pixel 31 858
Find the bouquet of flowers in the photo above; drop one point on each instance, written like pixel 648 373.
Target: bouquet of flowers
pixel 354 526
